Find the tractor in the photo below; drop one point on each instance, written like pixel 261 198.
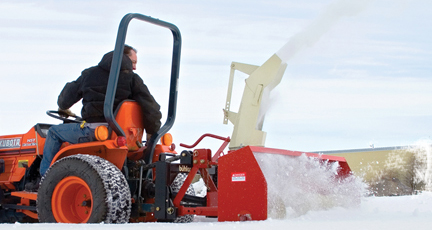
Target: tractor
pixel 120 178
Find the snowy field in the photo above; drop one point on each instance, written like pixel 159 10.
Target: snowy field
pixel 311 199
pixel 403 212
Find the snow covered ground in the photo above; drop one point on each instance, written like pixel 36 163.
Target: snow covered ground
pixel 312 199
pixel 403 212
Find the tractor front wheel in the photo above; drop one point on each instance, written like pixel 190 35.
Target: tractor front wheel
pixel 84 189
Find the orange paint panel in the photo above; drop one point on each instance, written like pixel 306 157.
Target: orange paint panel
pixel 129 117
pixel 18 152
pixel 19 167
pixel 104 149
pixel 9 166
pixel 29 213
pixel 15 167
pixel 25 195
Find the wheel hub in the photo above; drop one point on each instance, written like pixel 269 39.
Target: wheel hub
pixel 72 201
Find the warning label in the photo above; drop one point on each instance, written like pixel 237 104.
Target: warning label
pixel 238 177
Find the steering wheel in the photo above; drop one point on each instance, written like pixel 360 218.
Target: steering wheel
pixel 55 114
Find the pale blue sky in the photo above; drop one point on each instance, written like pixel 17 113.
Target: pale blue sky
pixel 366 80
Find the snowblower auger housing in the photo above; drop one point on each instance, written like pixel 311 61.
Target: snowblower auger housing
pixel 118 179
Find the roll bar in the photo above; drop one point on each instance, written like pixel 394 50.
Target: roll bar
pixel 115 70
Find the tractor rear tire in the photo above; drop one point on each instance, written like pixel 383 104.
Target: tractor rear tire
pixel 84 189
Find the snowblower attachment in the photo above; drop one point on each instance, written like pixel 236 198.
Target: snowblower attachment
pixel 245 174
pixel 243 188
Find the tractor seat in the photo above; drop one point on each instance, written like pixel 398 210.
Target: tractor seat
pixel 129 117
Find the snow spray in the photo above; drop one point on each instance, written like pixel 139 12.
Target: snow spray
pixel 423 165
pixel 297 185
pixel 302 184
pixel 312 33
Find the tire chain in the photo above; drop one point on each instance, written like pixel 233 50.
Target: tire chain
pixel 175 186
pixel 118 196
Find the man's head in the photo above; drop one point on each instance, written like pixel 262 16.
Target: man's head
pixel 132 54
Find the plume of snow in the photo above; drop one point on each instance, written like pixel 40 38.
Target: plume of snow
pixel 312 33
pixel 297 185
pixel 423 167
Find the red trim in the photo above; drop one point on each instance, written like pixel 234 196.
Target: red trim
pixel 257 149
pixel 19 151
pixel 202 211
pixel 343 171
pixel 202 137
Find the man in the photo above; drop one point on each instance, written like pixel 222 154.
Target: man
pixel 91 88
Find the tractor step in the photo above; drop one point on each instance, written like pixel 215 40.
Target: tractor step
pixel 26 195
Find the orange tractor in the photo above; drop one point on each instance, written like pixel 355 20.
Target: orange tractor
pixel 120 179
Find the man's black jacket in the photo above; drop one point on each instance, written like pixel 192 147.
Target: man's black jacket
pixel 91 86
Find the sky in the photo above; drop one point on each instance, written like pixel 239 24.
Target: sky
pixel 360 75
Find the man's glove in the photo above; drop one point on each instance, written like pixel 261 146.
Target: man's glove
pixel 66 113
